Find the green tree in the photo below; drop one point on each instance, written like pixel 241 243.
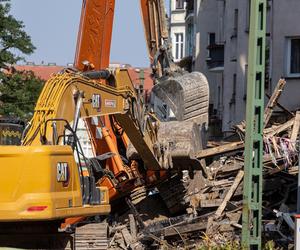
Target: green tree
pixel 12 37
pixel 19 93
pixel 18 90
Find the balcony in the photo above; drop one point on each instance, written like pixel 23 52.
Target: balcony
pixel 215 60
pixel 189 8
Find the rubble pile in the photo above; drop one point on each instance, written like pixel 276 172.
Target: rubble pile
pixel 212 203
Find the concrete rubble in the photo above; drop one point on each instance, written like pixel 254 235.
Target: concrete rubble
pixel 208 209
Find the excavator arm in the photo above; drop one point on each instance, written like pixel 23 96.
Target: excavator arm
pixel 187 94
pixel 94 35
pixel 70 96
pixel 157 36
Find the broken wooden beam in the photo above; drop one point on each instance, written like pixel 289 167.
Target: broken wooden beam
pixel 226 148
pixel 296 127
pixel 211 203
pixel 280 106
pixel 229 194
pixel 273 101
pixel 278 129
pixel 183 229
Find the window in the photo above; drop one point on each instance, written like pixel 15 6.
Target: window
pixel 178 45
pixel 235 22
pixel 190 39
pixel 179 4
pixel 247 27
pixel 233 97
pixel 211 41
pixel 215 53
pixel 293 57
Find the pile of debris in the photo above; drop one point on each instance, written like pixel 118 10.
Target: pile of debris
pixel 213 198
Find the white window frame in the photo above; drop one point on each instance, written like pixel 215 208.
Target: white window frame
pixel 180 44
pixel 288 58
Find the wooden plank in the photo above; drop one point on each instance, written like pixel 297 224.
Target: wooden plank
pixel 293 170
pixel 186 228
pixel 280 106
pixel 273 101
pixel 227 168
pixel 296 127
pixel 127 236
pixel 211 203
pixel 240 127
pixel 221 183
pixel 280 128
pixel 231 191
pixel 226 148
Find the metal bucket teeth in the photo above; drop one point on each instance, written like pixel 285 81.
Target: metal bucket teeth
pixel 187 96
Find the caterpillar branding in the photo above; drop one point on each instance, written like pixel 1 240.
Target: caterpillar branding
pixel 96 101
pixel 62 172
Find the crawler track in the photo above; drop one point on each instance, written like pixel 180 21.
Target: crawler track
pixel 91 236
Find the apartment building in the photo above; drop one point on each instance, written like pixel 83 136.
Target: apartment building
pixel 220 38
pixel 177 28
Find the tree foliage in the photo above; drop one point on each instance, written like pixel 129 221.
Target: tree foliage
pixel 12 37
pixel 18 90
pixel 19 93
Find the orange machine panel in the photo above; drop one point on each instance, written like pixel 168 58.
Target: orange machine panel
pixel 94 36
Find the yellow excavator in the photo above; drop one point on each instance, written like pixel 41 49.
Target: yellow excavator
pixel 48 179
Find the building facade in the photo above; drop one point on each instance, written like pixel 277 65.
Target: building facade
pixel 177 28
pixel 221 32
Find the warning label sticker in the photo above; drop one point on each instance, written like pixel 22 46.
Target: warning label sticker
pixel 110 103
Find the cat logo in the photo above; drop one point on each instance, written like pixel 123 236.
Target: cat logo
pixel 62 172
pixel 96 101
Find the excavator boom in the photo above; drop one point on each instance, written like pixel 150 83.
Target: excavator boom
pixel 155 27
pixel 94 35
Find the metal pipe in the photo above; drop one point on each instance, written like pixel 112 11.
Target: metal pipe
pixel 99 74
pixel 54 133
pixel 77 110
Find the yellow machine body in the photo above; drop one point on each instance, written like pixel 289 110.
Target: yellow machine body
pixel 41 179
pixel 43 183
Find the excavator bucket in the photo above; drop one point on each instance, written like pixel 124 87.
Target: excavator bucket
pixel 181 141
pixel 187 95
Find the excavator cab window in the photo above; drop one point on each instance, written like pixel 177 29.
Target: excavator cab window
pixel 90 170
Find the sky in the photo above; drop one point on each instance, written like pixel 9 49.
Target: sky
pixel 53 26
